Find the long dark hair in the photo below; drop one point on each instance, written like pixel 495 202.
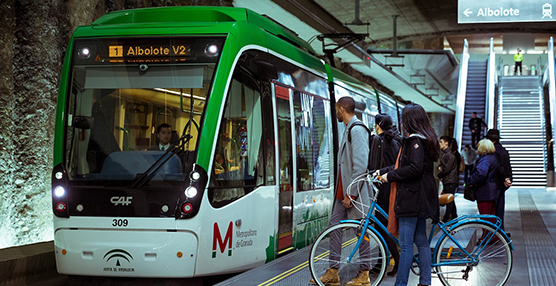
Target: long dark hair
pixel 416 121
pixel 385 122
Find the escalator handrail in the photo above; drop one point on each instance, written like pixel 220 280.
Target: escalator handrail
pixel 550 80
pixel 490 116
pixel 462 89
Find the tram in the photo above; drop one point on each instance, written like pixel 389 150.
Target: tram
pixel 250 174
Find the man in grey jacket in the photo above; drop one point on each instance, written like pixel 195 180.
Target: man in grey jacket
pixel 449 175
pixel 353 156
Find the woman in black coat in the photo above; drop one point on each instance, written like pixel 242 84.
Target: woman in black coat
pixel 384 151
pixel 414 192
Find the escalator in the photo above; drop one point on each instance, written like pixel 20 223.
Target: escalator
pixel 475 97
pixel 475 101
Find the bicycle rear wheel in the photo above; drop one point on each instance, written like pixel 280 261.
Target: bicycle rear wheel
pixel 489 264
pixel 370 255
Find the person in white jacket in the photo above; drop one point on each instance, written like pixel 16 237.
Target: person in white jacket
pixel 469 157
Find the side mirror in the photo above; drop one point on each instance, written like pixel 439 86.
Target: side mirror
pixel 83 122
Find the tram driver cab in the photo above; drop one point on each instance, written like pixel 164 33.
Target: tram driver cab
pixel 115 109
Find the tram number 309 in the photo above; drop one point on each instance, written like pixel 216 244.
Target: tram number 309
pixel 119 222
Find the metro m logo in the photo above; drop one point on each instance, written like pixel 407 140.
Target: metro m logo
pixel 217 238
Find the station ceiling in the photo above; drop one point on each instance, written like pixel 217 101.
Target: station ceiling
pixel 422 19
pixel 418 22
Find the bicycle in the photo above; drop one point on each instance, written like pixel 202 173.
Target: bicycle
pixel 469 250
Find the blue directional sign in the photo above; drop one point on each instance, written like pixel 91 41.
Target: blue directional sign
pixel 499 11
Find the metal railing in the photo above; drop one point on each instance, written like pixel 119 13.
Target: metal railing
pixel 492 81
pixel 462 89
pixel 548 80
pixel 543 125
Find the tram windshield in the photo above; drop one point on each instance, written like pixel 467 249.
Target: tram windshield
pixel 131 101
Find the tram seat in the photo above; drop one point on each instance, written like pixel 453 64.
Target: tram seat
pixel 126 166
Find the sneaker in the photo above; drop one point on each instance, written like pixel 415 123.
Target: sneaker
pixel 394 271
pixel 362 279
pixel 331 277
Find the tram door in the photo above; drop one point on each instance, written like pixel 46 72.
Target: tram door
pixel 285 212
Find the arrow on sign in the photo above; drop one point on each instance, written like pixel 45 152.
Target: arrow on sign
pixel 467 12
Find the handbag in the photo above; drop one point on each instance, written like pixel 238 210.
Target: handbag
pixel 469 192
pixel 461 166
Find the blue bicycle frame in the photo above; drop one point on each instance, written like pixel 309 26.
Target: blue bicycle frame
pixel 465 219
pixel 366 225
pixel 444 227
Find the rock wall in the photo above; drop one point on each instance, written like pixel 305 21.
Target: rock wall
pixel 34 37
pixel 7 27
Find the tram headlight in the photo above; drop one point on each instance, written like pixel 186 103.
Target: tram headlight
pixel 84 53
pixel 191 192
pixel 59 191
pixel 59 182
pixel 195 176
pixel 211 50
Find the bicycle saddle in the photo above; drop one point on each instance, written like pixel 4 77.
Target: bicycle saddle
pixel 445 199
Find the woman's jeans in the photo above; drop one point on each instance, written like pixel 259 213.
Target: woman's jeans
pixel 413 229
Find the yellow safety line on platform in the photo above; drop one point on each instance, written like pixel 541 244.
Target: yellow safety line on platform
pixel 285 250
pixel 300 266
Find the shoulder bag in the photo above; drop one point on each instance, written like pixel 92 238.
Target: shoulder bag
pixel 469 192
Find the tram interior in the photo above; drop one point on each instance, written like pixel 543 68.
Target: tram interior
pixel 108 117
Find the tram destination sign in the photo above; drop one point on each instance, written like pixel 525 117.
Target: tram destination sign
pixel 500 11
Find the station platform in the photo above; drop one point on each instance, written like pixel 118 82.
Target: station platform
pixel 530 220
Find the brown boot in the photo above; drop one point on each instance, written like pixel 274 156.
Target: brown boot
pixel 331 277
pixel 362 279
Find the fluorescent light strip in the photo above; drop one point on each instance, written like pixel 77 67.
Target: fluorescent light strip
pixel 178 93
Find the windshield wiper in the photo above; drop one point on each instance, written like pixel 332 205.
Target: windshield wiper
pixel 153 169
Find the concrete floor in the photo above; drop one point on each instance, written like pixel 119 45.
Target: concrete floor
pixel 530 218
pixel 526 269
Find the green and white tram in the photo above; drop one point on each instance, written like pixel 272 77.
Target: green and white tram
pixel 252 173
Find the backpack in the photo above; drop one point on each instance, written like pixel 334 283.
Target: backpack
pixel 376 148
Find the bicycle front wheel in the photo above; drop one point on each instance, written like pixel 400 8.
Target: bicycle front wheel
pixel 478 255
pixel 334 248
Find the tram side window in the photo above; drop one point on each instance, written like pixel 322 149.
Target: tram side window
pixel 390 107
pixel 239 159
pixel 321 138
pixel 312 142
pixel 304 144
